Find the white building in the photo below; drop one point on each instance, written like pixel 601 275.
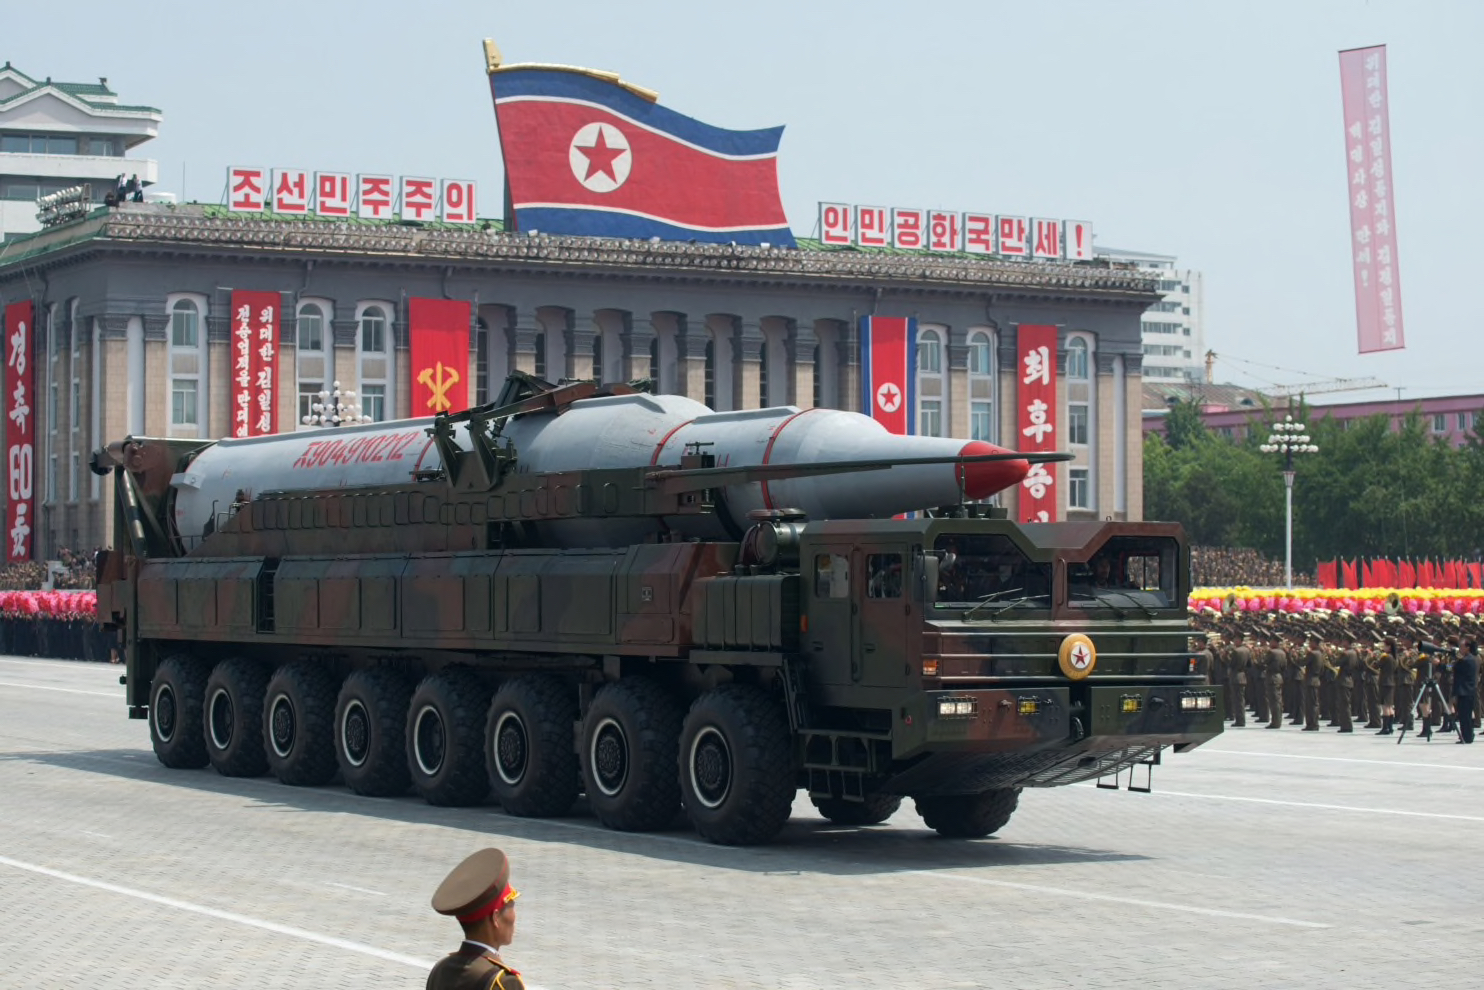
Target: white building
pixel 1174 328
pixel 54 135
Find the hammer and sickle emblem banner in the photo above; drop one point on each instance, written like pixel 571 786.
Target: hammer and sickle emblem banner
pixel 439 340
pixel 439 379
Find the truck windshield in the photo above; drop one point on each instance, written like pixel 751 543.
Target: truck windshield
pixel 1129 571
pixel 974 569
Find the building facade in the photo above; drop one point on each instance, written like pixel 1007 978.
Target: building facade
pixel 55 135
pixel 1454 418
pixel 132 314
pixel 1173 329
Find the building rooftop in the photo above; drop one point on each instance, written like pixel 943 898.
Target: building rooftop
pixel 86 96
pixel 1213 398
pixel 210 228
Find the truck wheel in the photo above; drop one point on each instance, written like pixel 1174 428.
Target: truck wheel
pixel 299 724
pixel 630 742
pixel 371 733
pixel 736 766
pixel 528 740
pixel 233 712
pixel 175 725
pixel 445 739
pixel 872 811
pixel 969 816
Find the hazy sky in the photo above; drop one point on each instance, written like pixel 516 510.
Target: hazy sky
pixel 1208 131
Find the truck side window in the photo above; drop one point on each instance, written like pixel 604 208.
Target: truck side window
pixel 831 576
pixel 884 575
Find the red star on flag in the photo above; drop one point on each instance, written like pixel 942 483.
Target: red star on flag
pixel 600 158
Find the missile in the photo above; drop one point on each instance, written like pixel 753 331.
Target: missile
pixel 623 431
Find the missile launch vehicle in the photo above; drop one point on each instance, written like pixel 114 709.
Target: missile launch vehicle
pixel 585 589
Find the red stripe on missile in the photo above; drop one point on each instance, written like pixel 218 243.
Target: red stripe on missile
pixel 768 452
pixel 983 479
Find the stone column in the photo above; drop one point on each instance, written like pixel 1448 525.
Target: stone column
pixel 1105 497
pixel 747 346
pixel 801 371
pixel 848 378
pixel 1133 370
pixel 112 399
pixel 956 381
pixel 1007 394
pixel 635 341
pixel 690 359
pixel 157 375
pixel 343 330
pixel 520 338
pixel 578 339
pixel 216 411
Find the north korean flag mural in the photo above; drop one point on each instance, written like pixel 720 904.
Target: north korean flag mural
pixel 588 154
pixel 889 372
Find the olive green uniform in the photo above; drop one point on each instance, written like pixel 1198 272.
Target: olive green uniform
pixel 473 967
pixel 1276 660
pixel 1239 658
pixel 1313 672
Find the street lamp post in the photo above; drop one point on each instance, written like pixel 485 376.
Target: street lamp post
pixel 335 408
pixel 1288 438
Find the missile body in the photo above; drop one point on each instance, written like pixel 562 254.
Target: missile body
pixel 620 431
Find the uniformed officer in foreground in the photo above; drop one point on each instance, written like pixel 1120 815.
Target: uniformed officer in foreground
pixel 478 893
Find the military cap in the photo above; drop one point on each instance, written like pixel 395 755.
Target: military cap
pixel 476 888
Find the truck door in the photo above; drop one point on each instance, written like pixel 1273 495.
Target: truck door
pixel 885 615
pixel 830 639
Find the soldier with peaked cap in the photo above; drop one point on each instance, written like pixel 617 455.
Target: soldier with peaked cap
pixel 478 893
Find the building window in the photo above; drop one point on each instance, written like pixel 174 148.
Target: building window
pixel 762 375
pixel 482 363
pixel 373 402
pixel 931 422
pixel 1463 421
pixel 654 362
pixel 51 478
pixel 541 354
pixel 183 402
pixel 308 396
pixel 598 357
pixel 1077 358
pixel 373 331
pixel 709 396
pixel 185 324
pixel 76 405
pixel 930 353
pixel 981 421
pixel 1077 489
pixel 1077 423
pixel 51 406
pixel 74 477
pixel 1440 423
pixel 981 359
pixel 311 328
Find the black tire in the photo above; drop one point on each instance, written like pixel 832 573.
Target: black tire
pixel 737 778
pixel 528 744
pixel 299 724
pixel 370 733
pixel 872 811
pixel 233 713
pixel 630 744
pixel 445 739
pixel 969 816
pixel 175 712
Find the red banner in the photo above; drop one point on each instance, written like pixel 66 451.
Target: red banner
pixel 1378 284
pixel 20 429
pixel 889 372
pixel 440 355
pixel 1037 399
pixel 255 363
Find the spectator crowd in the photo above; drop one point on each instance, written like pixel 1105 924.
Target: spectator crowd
pixel 1237 567
pixel 28 575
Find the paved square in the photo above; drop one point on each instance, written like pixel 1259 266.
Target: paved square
pixel 1265 859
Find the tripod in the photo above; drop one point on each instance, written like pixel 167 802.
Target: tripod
pixel 1428 691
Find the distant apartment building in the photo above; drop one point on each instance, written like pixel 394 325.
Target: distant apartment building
pixel 1173 330
pixel 1235 413
pixel 55 135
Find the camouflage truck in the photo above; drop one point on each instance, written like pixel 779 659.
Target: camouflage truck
pixel 585 589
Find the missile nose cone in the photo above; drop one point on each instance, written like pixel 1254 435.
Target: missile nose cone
pixel 983 479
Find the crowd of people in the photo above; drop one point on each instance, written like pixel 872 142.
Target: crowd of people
pixel 29 575
pixel 1385 673
pixel 1239 567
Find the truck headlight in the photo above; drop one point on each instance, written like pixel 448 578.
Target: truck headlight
pixel 957 707
pixel 1201 702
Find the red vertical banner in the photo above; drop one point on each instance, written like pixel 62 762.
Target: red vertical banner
pixel 889 372
pixel 1378 284
pixel 255 319
pixel 1036 397
pixel 439 340
pixel 20 429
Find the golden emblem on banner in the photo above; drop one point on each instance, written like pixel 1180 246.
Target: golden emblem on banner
pixel 439 379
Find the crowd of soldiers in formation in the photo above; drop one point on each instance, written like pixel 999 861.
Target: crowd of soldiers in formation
pixel 1234 567
pixel 1334 669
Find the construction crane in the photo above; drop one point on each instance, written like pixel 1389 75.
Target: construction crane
pixel 1317 387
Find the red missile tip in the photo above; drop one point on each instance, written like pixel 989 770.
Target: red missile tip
pixel 983 479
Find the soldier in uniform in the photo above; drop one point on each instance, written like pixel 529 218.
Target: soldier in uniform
pixel 1406 676
pixel 1239 659
pixel 478 893
pixel 1386 685
pixel 1313 672
pixel 1276 660
pixel 1347 663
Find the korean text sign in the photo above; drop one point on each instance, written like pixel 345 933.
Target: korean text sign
pixel 20 429
pixel 255 319
pixel 1035 396
pixel 1378 284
